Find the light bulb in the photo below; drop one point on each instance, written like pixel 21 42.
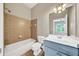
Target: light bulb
pixel 59 11
pixel 59 8
pixel 55 10
pixel 63 9
pixel 64 5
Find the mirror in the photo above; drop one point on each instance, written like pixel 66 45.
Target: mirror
pixel 63 23
pixel 60 26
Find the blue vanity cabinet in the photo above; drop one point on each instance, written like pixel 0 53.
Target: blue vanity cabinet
pixel 56 49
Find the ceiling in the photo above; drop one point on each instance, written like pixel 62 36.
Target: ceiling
pixel 30 5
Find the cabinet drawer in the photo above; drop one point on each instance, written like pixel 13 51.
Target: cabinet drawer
pixel 52 52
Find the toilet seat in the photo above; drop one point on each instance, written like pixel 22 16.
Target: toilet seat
pixel 36 47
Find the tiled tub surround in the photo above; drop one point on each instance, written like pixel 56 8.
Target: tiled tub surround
pixel 61 46
pixel 16 29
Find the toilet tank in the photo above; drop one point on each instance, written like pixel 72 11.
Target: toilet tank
pixel 40 39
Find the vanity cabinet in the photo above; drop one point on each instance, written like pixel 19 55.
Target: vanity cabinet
pixel 57 49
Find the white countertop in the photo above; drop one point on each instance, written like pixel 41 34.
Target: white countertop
pixel 66 40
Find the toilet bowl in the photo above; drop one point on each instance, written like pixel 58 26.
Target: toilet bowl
pixel 36 47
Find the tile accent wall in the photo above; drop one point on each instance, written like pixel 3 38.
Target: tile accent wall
pixel 16 29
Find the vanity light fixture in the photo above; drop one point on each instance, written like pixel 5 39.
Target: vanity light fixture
pixel 60 8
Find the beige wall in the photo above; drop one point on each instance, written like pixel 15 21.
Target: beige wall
pixel 77 20
pixel 72 20
pixel 1 29
pixel 19 9
pixel 42 11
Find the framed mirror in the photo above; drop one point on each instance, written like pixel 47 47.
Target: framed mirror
pixel 60 26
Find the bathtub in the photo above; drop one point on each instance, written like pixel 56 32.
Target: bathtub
pixel 19 48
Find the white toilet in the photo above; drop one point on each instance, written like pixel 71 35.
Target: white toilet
pixel 36 47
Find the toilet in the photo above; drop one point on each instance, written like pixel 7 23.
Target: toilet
pixel 36 47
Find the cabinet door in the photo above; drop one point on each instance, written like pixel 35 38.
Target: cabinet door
pixel 50 52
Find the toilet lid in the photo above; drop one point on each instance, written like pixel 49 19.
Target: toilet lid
pixel 36 46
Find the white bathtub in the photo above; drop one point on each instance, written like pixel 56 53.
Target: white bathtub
pixel 19 48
